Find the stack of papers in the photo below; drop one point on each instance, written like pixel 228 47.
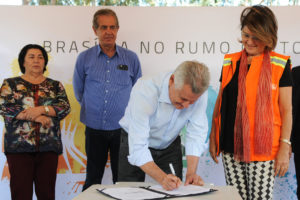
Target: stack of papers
pixel 153 192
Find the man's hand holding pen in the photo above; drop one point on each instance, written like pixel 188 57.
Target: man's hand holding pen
pixel 171 181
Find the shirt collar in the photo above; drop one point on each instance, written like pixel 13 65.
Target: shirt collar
pixel 99 50
pixel 164 95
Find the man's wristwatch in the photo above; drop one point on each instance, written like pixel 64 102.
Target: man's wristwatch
pixel 46 110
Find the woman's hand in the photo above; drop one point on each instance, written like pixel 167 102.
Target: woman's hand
pixel 21 116
pixel 282 159
pixel 44 120
pixel 32 113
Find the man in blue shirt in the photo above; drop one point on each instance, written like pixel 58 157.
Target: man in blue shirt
pixel 157 111
pixel 103 78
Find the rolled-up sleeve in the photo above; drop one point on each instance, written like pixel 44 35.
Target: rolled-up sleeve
pixel 197 128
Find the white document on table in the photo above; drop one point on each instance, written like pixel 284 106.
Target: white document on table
pixel 153 192
pixel 182 190
pixel 131 193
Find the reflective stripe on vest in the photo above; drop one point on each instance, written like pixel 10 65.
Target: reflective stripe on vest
pixel 227 61
pixel 278 61
pixel 274 60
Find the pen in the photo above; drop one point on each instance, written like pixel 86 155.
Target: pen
pixel 172 169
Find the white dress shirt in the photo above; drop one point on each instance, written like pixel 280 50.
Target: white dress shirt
pixel 151 120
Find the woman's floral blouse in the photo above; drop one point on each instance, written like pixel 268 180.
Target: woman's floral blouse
pixel 16 95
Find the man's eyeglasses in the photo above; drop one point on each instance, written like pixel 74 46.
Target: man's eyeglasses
pixel 104 28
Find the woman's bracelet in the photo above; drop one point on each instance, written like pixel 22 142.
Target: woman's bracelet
pixel 285 141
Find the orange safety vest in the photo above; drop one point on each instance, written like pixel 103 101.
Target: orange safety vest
pixel 278 63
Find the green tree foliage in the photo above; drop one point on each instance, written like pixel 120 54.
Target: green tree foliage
pixel 157 2
pixel 85 2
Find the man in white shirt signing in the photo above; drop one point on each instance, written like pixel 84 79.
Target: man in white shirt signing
pixel 157 111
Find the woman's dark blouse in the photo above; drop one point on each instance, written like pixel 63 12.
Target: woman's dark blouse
pixel 229 103
pixel 16 95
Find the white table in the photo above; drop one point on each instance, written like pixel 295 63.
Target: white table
pixel 224 192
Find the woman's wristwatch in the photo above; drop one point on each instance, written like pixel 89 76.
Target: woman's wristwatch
pixel 47 110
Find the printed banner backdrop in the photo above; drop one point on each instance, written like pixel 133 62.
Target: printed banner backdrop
pixel 162 38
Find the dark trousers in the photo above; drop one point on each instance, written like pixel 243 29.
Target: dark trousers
pixel 297 168
pixel 28 168
pixel 97 145
pixel 172 154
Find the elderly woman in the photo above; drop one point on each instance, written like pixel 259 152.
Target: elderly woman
pixel 32 107
pixel 253 113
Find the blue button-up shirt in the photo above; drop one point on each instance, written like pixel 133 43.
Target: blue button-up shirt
pixel 102 85
pixel 151 120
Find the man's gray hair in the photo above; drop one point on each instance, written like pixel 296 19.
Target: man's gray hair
pixel 194 74
pixel 104 12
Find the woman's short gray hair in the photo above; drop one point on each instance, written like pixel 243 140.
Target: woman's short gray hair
pixel 194 74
